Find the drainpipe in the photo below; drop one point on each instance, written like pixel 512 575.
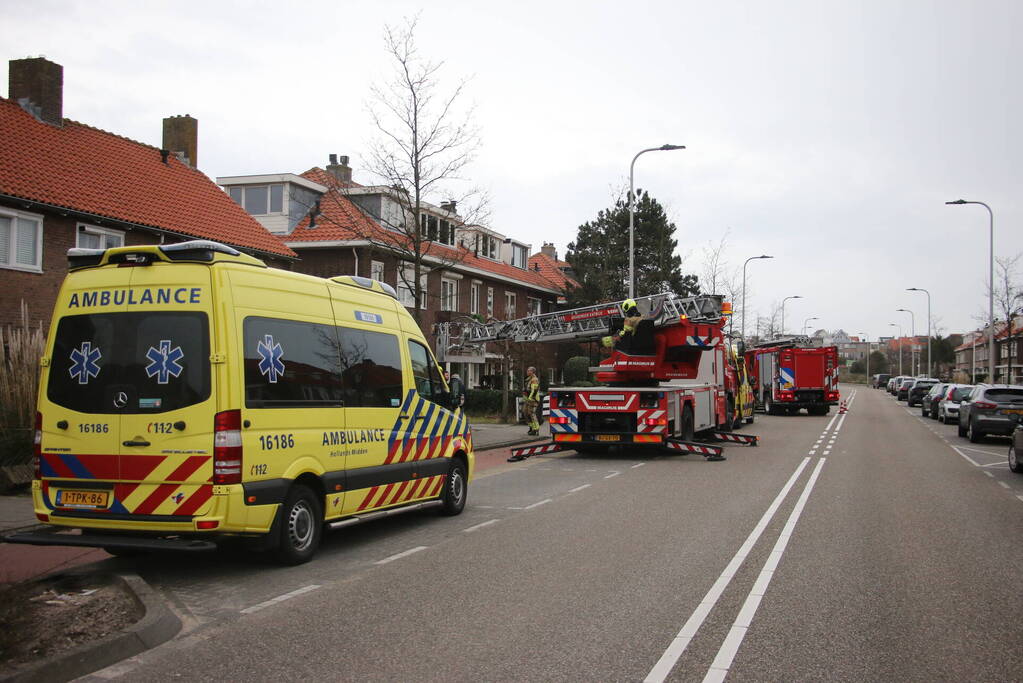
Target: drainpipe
pixel 355 255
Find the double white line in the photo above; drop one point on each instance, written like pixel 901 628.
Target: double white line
pixel 731 644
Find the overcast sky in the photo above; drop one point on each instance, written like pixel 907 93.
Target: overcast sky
pixel 827 134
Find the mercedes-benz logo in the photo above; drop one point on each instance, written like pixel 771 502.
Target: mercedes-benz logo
pixel 121 400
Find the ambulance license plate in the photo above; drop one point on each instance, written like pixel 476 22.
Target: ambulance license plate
pixel 75 498
pixel 608 437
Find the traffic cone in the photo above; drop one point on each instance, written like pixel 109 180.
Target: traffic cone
pixel 842 408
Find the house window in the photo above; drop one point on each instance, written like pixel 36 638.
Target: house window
pixel 487 246
pixel 405 279
pixel 376 270
pixel 534 306
pixel 436 229
pixel 490 302
pixel 474 298
pixel 21 240
pixel 259 200
pixel 448 295
pixel 509 305
pixel 519 256
pixel 92 237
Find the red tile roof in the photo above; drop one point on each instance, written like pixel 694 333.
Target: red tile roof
pixel 553 270
pixel 341 220
pixel 95 172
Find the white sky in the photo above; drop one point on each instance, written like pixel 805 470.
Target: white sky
pixel 828 134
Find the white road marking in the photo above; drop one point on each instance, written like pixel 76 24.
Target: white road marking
pixel 280 598
pixel 481 525
pixel 989 474
pixel 831 422
pixel 613 474
pixel 1004 485
pixel 577 489
pixel 638 464
pixel 981 450
pixel 681 641
pixel 826 451
pixel 408 552
pixel 1020 497
pixel 968 458
pixel 841 422
pixel 996 464
pixel 536 505
pixel 726 654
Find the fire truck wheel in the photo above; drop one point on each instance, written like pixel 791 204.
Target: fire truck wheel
pixel 301 525
pixel 688 426
pixel 769 406
pixel 455 489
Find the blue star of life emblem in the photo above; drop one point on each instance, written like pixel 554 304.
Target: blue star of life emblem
pixel 84 363
pixel 270 363
pixel 163 361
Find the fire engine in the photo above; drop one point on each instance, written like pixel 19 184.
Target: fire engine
pixel 789 374
pixel 662 386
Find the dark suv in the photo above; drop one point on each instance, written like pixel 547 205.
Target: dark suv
pixel 991 409
pixel 880 381
pixel 918 389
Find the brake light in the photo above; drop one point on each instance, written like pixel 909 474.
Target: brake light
pixel 832 395
pixel 653 421
pixel 559 420
pixel 227 447
pixel 207 524
pixel 987 405
pixel 37 448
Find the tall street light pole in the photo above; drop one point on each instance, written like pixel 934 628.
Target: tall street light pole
pixel 751 258
pixel 912 347
pixel 807 322
pixel 895 324
pixel 783 311
pixel 921 289
pixel 990 285
pixel 867 339
pixel 632 212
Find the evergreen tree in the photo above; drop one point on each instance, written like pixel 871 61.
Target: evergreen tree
pixel 600 255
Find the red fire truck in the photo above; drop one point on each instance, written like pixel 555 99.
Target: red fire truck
pixel 789 374
pixel 663 385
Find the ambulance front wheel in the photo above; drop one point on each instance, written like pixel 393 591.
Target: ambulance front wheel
pixel 301 525
pixel 455 489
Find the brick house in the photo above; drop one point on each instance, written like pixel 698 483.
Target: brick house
pixel 65 184
pixel 338 226
pixel 971 357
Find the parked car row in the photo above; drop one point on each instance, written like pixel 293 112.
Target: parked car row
pixel 977 410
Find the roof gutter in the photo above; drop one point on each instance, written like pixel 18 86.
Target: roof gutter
pixel 116 222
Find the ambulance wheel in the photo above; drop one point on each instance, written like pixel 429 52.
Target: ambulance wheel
pixel 455 489
pixel 300 526
pixel 688 426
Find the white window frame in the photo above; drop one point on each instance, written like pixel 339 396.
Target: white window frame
pixel 474 297
pixel 510 305
pixel 490 302
pixel 376 270
pixel 244 190
pixel 85 228
pixel 519 256
pixel 405 293
pixel 533 306
pixel 10 262
pixel 448 294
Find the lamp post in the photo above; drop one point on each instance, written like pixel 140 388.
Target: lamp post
pixel 921 289
pixel 807 322
pixel 783 311
pixel 751 258
pixel 912 347
pixel 900 344
pixel 867 339
pixel 991 286
pixel 632 211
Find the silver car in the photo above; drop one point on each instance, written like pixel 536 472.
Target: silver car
pixel 948 405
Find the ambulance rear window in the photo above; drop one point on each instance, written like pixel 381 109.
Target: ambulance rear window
pixel 130 362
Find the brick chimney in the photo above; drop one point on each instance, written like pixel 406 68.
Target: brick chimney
pixel 181 136
pixel 37 84
pixel 450 206
pixel 549 249
pixel 339 168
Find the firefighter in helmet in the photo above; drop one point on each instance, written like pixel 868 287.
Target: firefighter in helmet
pixel 632 317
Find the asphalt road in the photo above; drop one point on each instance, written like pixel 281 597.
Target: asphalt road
pixel 871 546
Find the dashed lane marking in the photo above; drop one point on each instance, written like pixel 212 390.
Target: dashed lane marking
pixel 481 525
pixel 638 464
pixel 577 489
pixel 537 504
pixel 408 552
pixel 280 598
pixel 989 474
pixel 613 474
pixel 1004 485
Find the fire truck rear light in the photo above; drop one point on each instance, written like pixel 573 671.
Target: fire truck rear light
pixel 227 447
pixel 652 421
pixel 832 395
pixel 207 524
pixel 559 420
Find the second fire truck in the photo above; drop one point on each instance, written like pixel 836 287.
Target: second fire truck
pixel 790 374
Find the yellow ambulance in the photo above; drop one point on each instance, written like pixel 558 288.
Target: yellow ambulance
pixel 190 393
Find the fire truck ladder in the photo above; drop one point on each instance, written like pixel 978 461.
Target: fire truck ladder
pixel 785 343
pixel 579 324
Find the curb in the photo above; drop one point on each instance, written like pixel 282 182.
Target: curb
pixel 507 444
pixel 158 625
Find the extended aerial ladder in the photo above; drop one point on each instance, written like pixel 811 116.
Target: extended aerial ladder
pixel 667 345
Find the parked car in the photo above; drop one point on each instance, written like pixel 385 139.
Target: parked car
pixel 893 384
pixel 881 380
pixel 1016 450
pixel 990 409
pixel 918 389
pixel 948 406
pixel 929 403
pixel 902 391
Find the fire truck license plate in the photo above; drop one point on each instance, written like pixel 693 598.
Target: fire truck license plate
pixel 1012 411
pixel 608 437
pixel 84 499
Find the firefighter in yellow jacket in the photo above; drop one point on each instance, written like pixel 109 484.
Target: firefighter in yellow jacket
pixel 632 316
pixel 532 402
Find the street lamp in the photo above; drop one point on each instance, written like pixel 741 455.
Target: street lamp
pixel 895 324
pixel 866 338
pixel 807 322
pixel 632 211
pixel 921 289
pixel 912 347
pixel 991 286
pixel 783 311
pixel 751 258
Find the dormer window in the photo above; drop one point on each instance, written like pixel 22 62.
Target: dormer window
pixel 436 229
pixel 488 246
pixel 259 200
pixel 519 256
